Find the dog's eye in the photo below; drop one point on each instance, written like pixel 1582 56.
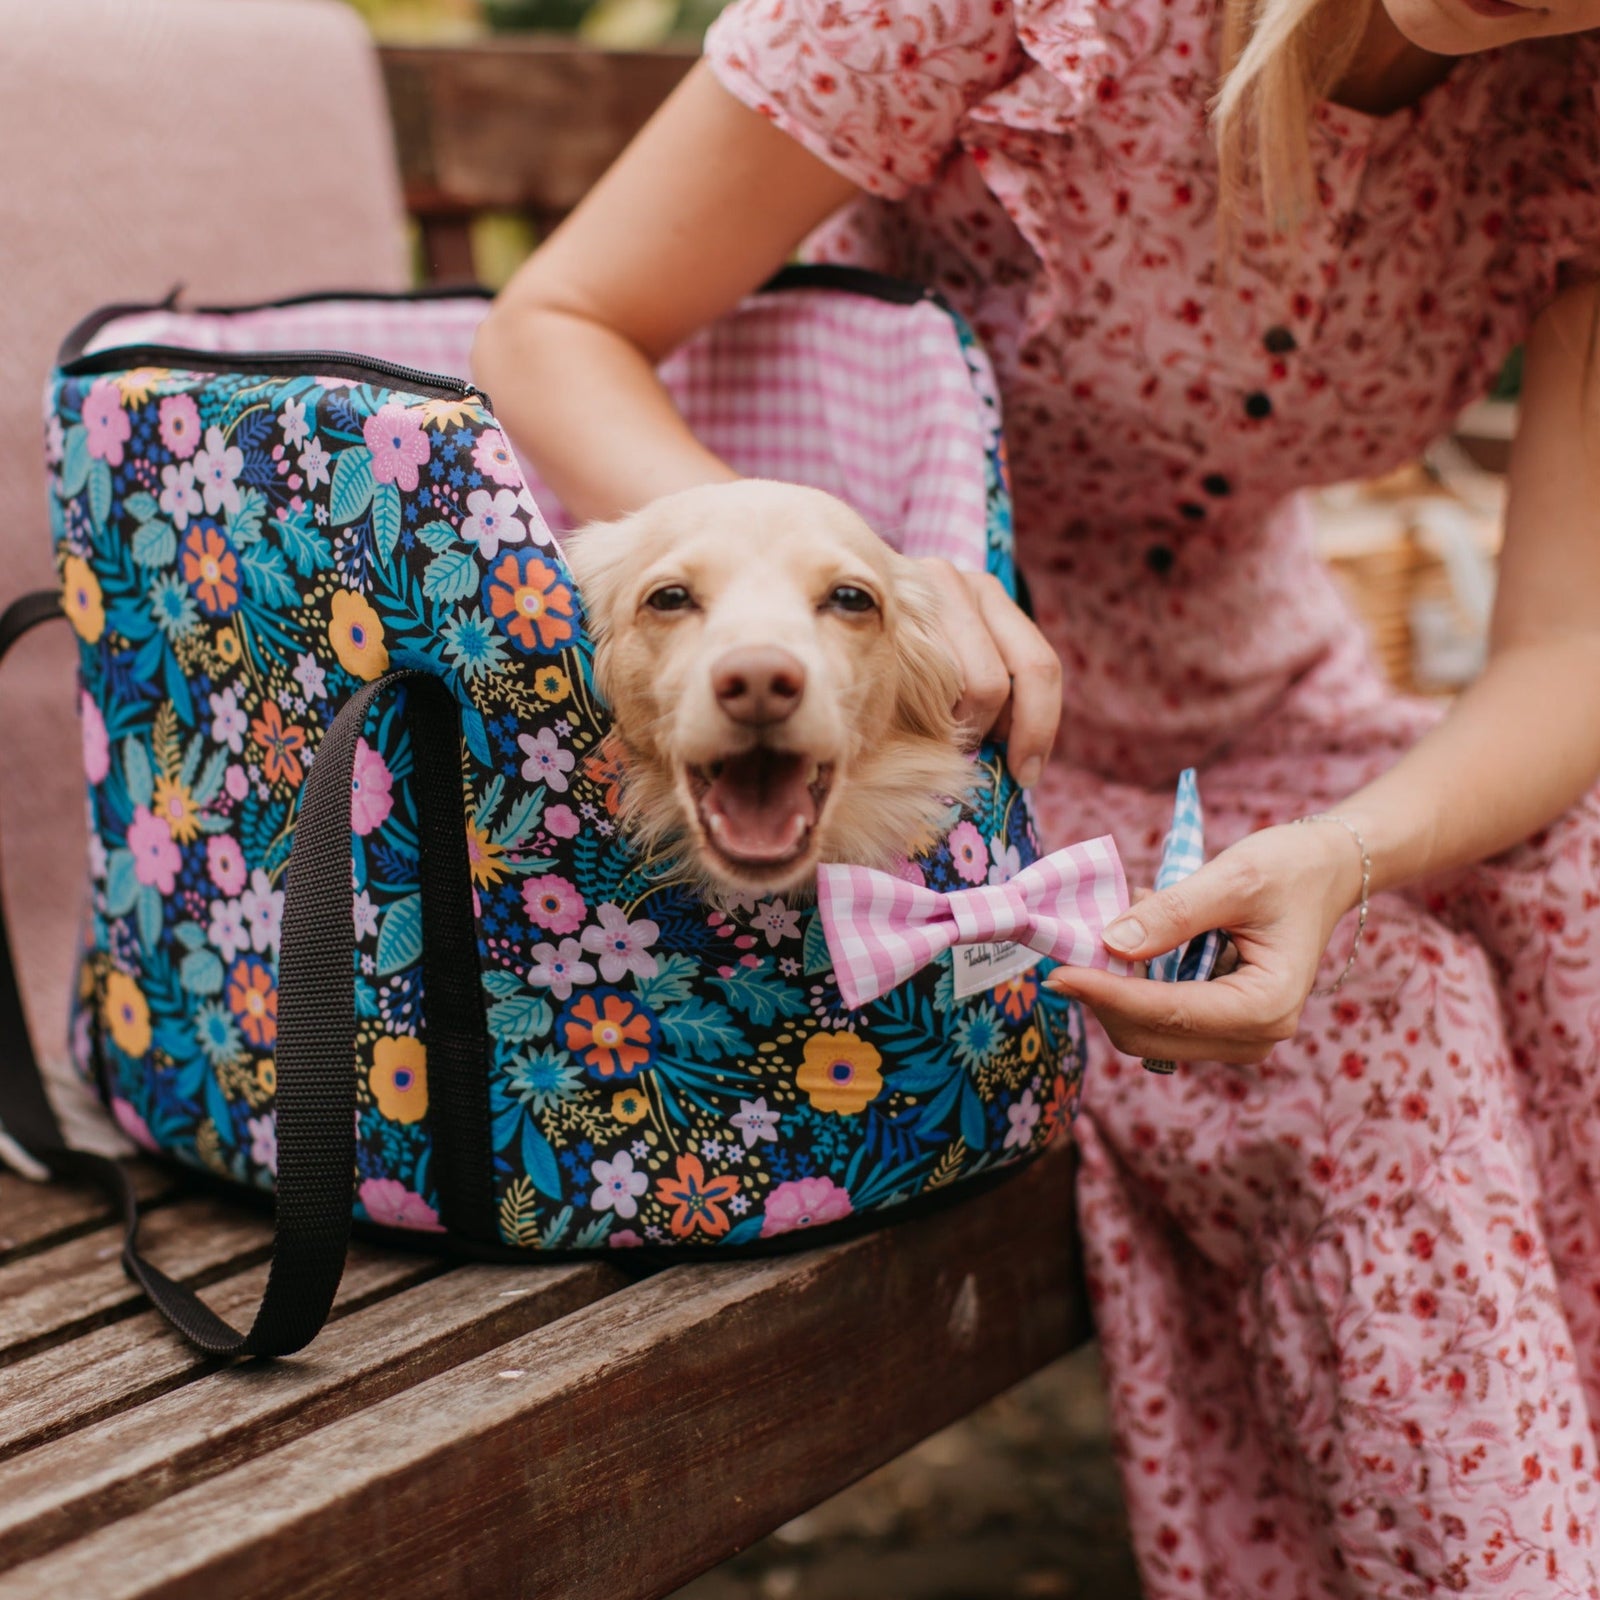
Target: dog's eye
pixel 847 597
pixel 670 597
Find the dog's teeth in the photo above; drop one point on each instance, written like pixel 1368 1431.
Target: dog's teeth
pixel 814 773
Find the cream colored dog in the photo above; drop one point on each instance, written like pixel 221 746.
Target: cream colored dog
pixel 781 695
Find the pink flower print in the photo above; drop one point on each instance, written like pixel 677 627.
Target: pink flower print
pixel 106 422
pixel 1005 861
pixel 225 863
pixel 180 494
pixel 558 967
pixel 398 445
pixel 777 921
pixel 229 723
pixel 391 1205
pixel 755 1122
pixel 96 743
pixel 617 1185
pixel 314 462
pixel 493 521
pixel 156 859
pixel 805 1203
pixel 371 786
pixel 492 456
pixel 553 903
pixel 622 946
pixel 562 821
pixel 55 440
pixel 264 1141
pixel 263 912
pixel 228 932
pixel 133 1124
pixel 908 872
pixel 1023 1115
pixel 547 762
pixel 624 1239
pixel 968 853
pixel 180 427
pixel 292 420
pixel 216 470
pixel 237 782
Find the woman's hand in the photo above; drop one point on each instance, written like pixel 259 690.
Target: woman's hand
pixel 1010 677
pixel 1278 893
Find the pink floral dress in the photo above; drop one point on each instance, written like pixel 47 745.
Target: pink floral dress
pixel 1349 1299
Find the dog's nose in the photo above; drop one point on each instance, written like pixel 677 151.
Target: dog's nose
pixel 758 684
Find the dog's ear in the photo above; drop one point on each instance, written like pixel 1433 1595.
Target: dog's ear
pixel 597 555
pixel 927 684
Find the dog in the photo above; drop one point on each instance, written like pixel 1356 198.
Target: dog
pixel 780 691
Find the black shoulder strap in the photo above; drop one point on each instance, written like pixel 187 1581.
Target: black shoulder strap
pixel 315 1090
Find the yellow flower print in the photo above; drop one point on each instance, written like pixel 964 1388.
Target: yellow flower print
pixel 399 1078
pixel 126 1014
pixel 136 386
pixel 1031 1045
pixel 80 599
pixel 552 684
pixel 228 649
pixel 840 1072
pixel 628 1105
pixel 267 1075
pixel 356 635
pixel 442 414
pixel 175 806
pixel 483 856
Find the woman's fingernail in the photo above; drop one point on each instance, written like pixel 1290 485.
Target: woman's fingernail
pixel 1028 773
pixel 1125 934
pixel 1060 981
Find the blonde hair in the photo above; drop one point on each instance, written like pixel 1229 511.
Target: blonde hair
pixel 1279 58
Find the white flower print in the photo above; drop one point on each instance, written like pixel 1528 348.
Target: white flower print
pixel 228 720
pixel 622 946
pixel 558 967
pixel 617 1185
pixel 292 420
pixel 1023 1115
pixel 180 495
pixel 216 470
pixel 1005 861
pixel 263 912
pixel 365 916
pixel 547 762
pixel 776 920
pixel 311 677
pixel 755 1122
pixel 228 931
pixel 492 521
pixel 314 462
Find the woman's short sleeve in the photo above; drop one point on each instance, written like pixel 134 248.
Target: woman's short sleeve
pixel 876 88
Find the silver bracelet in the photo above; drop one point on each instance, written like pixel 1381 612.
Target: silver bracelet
pixel 1366 881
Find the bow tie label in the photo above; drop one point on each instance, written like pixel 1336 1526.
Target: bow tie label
pixel 976 967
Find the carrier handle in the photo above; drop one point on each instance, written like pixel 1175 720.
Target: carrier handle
pixel 315 1091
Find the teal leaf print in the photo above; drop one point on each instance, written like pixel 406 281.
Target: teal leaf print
pixel 190 935
pixel 136 772
pixel 751 990
pixel 674 980
pixel 539 1161
pixel 200 972
pixel 501 985
pixel 451 577
pixel 149 907
pixel 244 525
pixel 815 954
pixel 353 483
pixel 266 577
pixel 99 493
pixel 436 536
pixel 141 506
pixel 400 936
pixel 155 544
pixel 701 1027
pixel 521 1018
pixel 386 519
pixel 122 883
pixel 305 547
pixel 75 460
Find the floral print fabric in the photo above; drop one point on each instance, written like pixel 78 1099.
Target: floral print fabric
pixel 238 554
pixel 1349 1301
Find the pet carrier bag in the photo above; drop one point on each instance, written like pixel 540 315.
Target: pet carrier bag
pixel 363 929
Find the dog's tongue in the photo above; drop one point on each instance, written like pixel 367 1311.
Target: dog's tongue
pixel 760 807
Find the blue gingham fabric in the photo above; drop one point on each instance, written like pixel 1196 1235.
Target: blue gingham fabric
pixel 1183 853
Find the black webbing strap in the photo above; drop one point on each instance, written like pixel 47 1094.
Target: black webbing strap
pixel 315 1088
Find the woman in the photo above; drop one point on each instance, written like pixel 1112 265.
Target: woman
pixel 1347 1262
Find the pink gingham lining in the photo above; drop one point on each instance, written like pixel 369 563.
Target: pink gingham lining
pixel 872 401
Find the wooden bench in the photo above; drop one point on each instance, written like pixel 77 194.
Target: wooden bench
pixel 568 1431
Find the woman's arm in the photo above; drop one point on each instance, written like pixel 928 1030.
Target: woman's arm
pixel 708 201
pixel 1517 748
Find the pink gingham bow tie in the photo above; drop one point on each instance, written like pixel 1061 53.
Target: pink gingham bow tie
pixel 881 929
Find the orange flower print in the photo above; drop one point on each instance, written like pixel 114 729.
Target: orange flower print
pixel 1016 995
pixel 612 1035
pixel 253 999
pixel 604 767
pixel 280 743
pixel 484 857
pixel 534 608
pixel 211 569
pixel 696 1202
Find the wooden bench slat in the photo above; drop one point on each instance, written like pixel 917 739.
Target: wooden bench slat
pixel 79 1284
pixel 108 1369
pixel 113 1468
pixel 34 1216
pixel 587 1459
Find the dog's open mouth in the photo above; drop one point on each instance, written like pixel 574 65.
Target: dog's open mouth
pixel 759 807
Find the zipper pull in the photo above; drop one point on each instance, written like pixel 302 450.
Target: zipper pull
pixel 470 391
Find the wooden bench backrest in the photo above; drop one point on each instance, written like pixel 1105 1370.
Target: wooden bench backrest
pixel 514 124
